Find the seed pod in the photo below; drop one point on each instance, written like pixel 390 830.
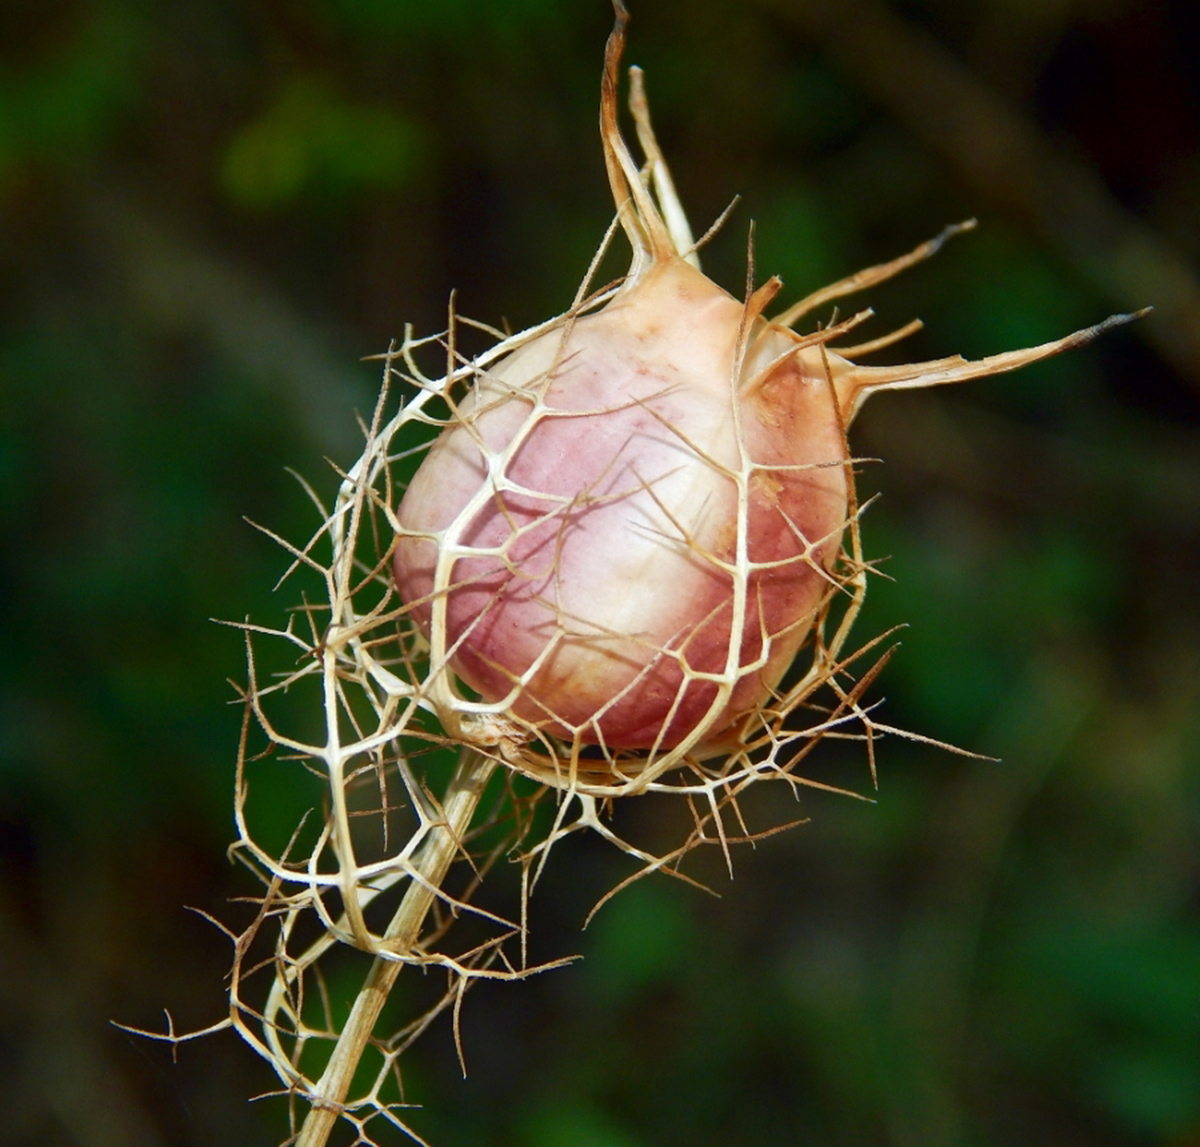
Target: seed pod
pixel 635 519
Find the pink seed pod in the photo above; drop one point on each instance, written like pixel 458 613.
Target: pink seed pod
pixel 634 521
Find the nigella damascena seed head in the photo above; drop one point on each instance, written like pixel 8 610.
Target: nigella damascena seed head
pixel 635 520
pixel 645 515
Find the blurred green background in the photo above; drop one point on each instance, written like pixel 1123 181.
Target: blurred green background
pixel 210 211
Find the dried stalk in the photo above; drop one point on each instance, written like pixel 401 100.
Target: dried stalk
pixel 438 853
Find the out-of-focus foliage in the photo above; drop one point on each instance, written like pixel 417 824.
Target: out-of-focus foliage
pixel 309 140
pixel 211 211
pixel 60 96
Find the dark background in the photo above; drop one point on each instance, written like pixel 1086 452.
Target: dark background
pixel 210 211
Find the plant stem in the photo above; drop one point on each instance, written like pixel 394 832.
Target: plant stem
pixel 431 865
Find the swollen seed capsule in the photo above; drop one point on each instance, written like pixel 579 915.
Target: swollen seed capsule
pixel 633 521
pixel 660 509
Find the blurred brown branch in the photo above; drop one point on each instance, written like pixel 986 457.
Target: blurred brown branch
pixel 183 286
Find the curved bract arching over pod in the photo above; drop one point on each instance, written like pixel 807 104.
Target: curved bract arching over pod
pixel 635 519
